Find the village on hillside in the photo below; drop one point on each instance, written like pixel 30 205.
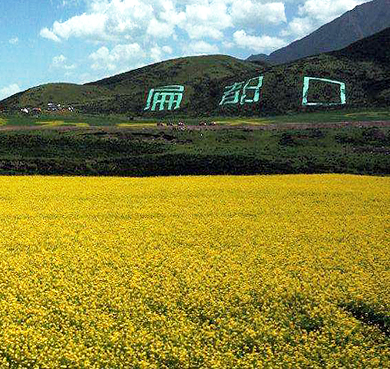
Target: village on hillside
pixel 51 107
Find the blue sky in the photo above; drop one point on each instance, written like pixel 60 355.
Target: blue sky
pixel 80 41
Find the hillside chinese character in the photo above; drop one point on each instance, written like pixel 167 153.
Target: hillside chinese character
pixel 165 98
pixel 243 92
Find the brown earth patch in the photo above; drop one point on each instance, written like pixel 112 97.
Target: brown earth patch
pixel 268 127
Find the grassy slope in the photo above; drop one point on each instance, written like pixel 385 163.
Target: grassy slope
pixel 98 120
pixel 202 77
pixel 363 66
pixel 126 93
pixel 153 152
pixel 283 85
pixel 60 93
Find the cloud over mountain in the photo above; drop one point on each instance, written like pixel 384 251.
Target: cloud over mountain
pixel 135 20
pixel 91 33
pixel 9 90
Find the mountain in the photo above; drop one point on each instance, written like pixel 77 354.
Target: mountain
pixel 127 92
pixel 364 68
pixel 64 93
pixel 363 21
pixel 264 58
pixel 202 77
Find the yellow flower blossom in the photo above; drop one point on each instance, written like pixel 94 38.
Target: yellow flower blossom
pixel 194 272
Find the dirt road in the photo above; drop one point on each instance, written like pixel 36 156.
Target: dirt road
pixel 266 127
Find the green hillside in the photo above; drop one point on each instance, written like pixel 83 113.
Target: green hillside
pixel 202 76
pixel 127 93
pixel 363 67
pixel 61 93
pixel 133 152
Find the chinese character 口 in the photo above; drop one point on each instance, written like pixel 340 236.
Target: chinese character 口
pixel 306 85
pixel 232 93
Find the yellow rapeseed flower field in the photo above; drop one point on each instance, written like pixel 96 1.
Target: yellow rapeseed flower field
pixel 194 272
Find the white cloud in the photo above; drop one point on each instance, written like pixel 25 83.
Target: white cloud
pixel 299 27
pixel 326 10
pixel 14 41
pixel 86 77
pixel 158 54
pixel 167 49
pixel 131 32
pixel 207 20
pixel 252 13
pixel 70 2
pixel 201 48
pixel 84 26
pixel 60 62
pixel 259 44
pixel 119 58
pixel 228 44
pixel 159 29
pixel 70 67
pixel 46 33
pixel 9 91
pixel 106 21
pixel 118 20
pixel 312 14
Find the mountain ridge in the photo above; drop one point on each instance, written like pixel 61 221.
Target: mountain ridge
pixel 361 22
pixel 363 67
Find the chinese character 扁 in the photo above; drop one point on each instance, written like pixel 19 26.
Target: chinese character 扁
pixel 166 96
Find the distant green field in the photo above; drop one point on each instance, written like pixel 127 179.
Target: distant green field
pixel 82 120
pixel 154 152
pixel 62 120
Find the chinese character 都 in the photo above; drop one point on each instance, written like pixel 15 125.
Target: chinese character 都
pixel 254 84
pixel 169 97
pixel 232 93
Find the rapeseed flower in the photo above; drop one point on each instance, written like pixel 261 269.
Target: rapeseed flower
pixel 194 272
